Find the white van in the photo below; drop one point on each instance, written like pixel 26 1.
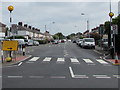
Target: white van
pixel 88 42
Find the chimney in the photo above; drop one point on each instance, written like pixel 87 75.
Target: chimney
pixel 33 28
pixel 29 27
pixel 20 23
pixel 39 30
pixel 25 25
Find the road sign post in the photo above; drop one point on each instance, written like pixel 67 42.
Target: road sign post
pixel 115 32
pixel 10 46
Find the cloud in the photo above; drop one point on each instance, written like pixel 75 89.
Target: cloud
pixel 65 14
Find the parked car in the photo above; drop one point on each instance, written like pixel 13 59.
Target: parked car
pixel 69 40
pixel 30 42
pixel 105 43
pixel 80 41
pixel 74 41
pixel 55 42
pixel 62 41
pixel 21 43
pixel 36 43
pixel 88 42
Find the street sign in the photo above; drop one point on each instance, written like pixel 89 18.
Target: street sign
pixel 10 46
pixel 115 29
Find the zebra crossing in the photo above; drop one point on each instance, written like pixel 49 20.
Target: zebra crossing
pixel 71 60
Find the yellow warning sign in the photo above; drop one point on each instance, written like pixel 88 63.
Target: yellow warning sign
pixel 10 45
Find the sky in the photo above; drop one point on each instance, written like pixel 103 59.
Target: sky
pixel 66 15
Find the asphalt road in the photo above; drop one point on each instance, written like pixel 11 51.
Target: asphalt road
pixel 63 65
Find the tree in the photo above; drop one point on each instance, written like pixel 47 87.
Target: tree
pixel 58 35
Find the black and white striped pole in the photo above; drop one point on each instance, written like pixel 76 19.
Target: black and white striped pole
pixel 111 14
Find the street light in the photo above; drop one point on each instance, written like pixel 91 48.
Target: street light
pixel 110 43
pixel 10 8
pixel 87 24
pixel 47 25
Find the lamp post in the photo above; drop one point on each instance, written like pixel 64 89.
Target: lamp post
pixel 111 14
pixel 47 25
pixel 10 8
pixel 87 24
pixel 46 29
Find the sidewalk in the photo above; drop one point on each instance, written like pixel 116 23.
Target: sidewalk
pixel 18 59
pixel 107 56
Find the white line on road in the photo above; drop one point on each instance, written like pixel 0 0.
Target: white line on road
pixel 88 61
pixel 47 59
pixel 74 61
pixel 97 52
pixel 15 76
pixel 101 76
pixel 101 61
pixel 80 76
pixel 117 76
pixel 36 76
pixel 60 60
pixel 57 77
pixel 71 72
pixel 20 63
pixel 34 59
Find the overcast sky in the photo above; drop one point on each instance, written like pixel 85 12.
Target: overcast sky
pixel 66 15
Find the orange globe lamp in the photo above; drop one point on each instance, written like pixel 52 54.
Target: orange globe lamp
pixel 10 8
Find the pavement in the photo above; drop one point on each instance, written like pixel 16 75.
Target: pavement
pixel 107 56
pixel 18 59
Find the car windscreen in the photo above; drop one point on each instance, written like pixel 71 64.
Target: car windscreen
pixel 89 40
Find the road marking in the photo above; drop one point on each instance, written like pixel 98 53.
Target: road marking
pixel 34 59
pixel 36 76
pixel 57 77
pixel 60 60
pixel 15 76
pixel 117 76
pixel 47 59
pixel 88 61
pixel 74 61
pixel 80 76
pixel 71 72
pixel 97 52
pixel 101 76
pixel 29 62
pixel 101 61
pixel 20 63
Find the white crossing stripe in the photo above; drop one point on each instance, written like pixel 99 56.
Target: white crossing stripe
pixel 88 61
pixel 101 61
pixel 34 59
pixel 74 60
pixel 47 59
pixel 60 60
